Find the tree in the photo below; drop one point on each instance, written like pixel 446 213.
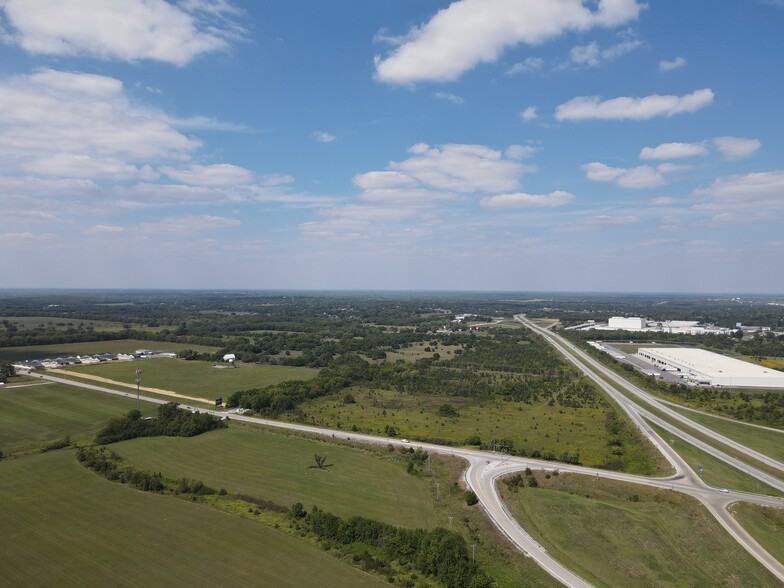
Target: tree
pixel 6 371
pixel 470 497
pixel 320 460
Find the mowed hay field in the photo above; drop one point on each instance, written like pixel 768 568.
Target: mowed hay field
pixel 195 378
pixel 63 525
pixel 118 346
pixel 34 414
pixel 276 466
pixel 617 534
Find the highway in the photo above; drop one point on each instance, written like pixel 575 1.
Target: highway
pixel 485 468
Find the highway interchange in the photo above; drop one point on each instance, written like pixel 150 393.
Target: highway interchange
pixel 485 468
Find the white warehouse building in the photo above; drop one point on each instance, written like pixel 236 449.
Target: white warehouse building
pixel 632 323
pixel 701 366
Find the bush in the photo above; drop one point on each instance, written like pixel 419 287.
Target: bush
pixel 470 497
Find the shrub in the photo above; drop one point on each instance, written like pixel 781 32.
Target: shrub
pixel 470 497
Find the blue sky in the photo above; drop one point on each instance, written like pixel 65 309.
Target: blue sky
pixel 607 145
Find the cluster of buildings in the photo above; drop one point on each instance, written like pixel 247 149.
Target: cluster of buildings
pixel 61 362
pixel 638 324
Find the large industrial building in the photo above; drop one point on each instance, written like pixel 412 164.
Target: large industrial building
pixel 632 323
pixel 705 367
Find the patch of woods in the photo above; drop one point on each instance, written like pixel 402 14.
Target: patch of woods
pixel 171 422
pixel 439 554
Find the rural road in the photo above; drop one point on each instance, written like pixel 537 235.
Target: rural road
pixel 485 468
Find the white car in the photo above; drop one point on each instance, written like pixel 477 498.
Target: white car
pixel 404 441
pixel 724 490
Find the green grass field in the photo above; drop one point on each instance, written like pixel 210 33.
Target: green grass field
pixel 63 525
pixel 536 426
pixel 715 472
pixel 59 323
pixel 35 414
pixel 661 538
pixel 277 467
pixel 763 523
pixel 196 378
pixel 768 442
pixel 66 349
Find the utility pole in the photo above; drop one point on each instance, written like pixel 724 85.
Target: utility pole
pixel 450 523
pixel 473 552
pixel 138 381
pixel 438 491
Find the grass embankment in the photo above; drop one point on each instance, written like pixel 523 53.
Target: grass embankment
pixel 65 526
pixel 617 534
pixel 529 426
pixel 31 416
pixel 765 524
pixel 715 472
pixel 277 467
pixel 90 347
pixel 195 378
pixel 765 441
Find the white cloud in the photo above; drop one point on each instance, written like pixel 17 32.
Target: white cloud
pixel 529 114
pixel 453 98
pixel 628 108
pixel 763 190
pixel 736 147
pixel 522 200
pixel 529 64
pixel 591 55
pixel 105 230
pixel 128 30
pixel 383 180
pixel 223 174
pixel 673 151
pixel 663 201
pixel 323 137
pixel 72 165
pixel 671 65
pixel 469 32
pixel 276 180
pixel 51 112
pixel 637 177
pixel 462 168
pixel 520 151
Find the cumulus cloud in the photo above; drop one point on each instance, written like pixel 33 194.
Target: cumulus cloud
pixel 223 174
pixel 673 151
pixel 592 55
pixel 384 180
pixel 529 114
pixel 323 137
pixel 469 32
pixel 522 200
pixel 663 201
pixel 520 151
pixel 529 64
pixel 453 98
pixel 127 30
pixel 52 112
pixel 671 65
pixel 462 168
pixel 628 108
pixel 762 190
pixel 736 147
pixel 642 176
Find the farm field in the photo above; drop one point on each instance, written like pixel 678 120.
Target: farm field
pixel 33 415
pixel 60 323
pixel 65 526
pixel 529 426
pixel 277 467
pixel 768 442
pixel 611 532
pixel 417 351
pixel 714 472
pixel 765 524
pixel 118 346
pixel 196 378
